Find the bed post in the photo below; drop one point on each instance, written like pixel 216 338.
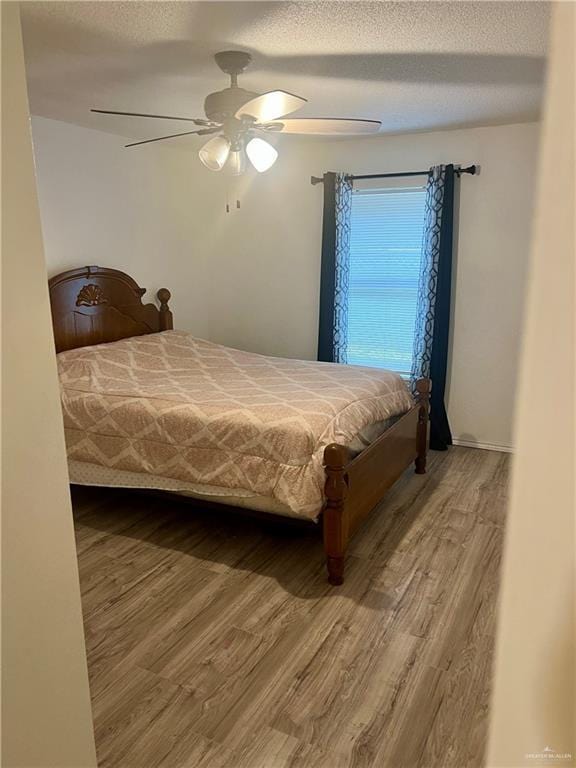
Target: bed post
pixel 335 520
pixel 166 322
pixel 423 390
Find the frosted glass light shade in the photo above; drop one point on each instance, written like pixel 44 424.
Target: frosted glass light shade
pixel 215 153
pixel 261 154
pixel 236 164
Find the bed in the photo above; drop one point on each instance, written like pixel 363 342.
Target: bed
pixel 147 406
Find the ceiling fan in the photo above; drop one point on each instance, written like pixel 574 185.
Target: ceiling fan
pixel 240 116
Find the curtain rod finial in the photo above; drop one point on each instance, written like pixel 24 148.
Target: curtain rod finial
pixel 316 180
pixel 473 170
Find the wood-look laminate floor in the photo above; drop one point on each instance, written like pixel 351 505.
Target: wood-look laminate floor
pixel 214 640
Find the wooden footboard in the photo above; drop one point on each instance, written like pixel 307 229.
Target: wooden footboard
pixel 354 486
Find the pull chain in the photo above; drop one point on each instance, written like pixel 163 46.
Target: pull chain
pixel 228 185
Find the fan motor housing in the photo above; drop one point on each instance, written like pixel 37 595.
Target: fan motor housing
pixel 222 105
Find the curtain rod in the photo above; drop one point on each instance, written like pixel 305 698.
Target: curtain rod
pixel 471 169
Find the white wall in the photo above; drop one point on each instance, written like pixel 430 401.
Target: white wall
pixel 46 716
pixel 133 209
pixel 250 278
pixel 533 705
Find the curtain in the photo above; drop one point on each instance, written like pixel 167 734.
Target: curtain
pixel 335 269
pixel 434 298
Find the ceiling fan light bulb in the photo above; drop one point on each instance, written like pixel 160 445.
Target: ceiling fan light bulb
pixel 215 152
pixel 261 154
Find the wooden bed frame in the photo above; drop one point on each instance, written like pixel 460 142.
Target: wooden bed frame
pixel 95 305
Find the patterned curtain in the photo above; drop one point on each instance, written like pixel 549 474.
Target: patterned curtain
pixel 343 210
pixel 333 325
pixel 430 356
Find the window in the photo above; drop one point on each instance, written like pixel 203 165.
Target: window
pixel 385 248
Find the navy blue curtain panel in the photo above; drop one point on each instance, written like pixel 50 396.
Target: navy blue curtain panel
pixel 434 298
pixel 327 272
pixel 440 434
pixel 335 268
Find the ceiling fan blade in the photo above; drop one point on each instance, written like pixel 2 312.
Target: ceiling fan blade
pixel 202 132
pixel 325 126
pixel 197 121
pixel 271 105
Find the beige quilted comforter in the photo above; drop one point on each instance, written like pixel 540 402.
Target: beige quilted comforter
pixel 178 407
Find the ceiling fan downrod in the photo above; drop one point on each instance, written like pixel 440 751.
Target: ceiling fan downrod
pixel 233 63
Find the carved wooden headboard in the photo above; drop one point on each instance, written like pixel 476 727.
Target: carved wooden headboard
pixel 93 305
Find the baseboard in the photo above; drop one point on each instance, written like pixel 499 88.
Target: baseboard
pixel 484 446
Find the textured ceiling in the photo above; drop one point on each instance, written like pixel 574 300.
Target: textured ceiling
pixel 413 65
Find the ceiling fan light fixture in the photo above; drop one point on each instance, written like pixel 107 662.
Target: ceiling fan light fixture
pixel 261 154
pixel 215 153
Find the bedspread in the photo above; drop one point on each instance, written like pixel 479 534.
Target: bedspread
pixel 175 406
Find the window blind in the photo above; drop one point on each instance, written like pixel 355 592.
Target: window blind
pixel 385 250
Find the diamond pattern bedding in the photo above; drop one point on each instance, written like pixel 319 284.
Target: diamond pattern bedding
pixel 174 406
